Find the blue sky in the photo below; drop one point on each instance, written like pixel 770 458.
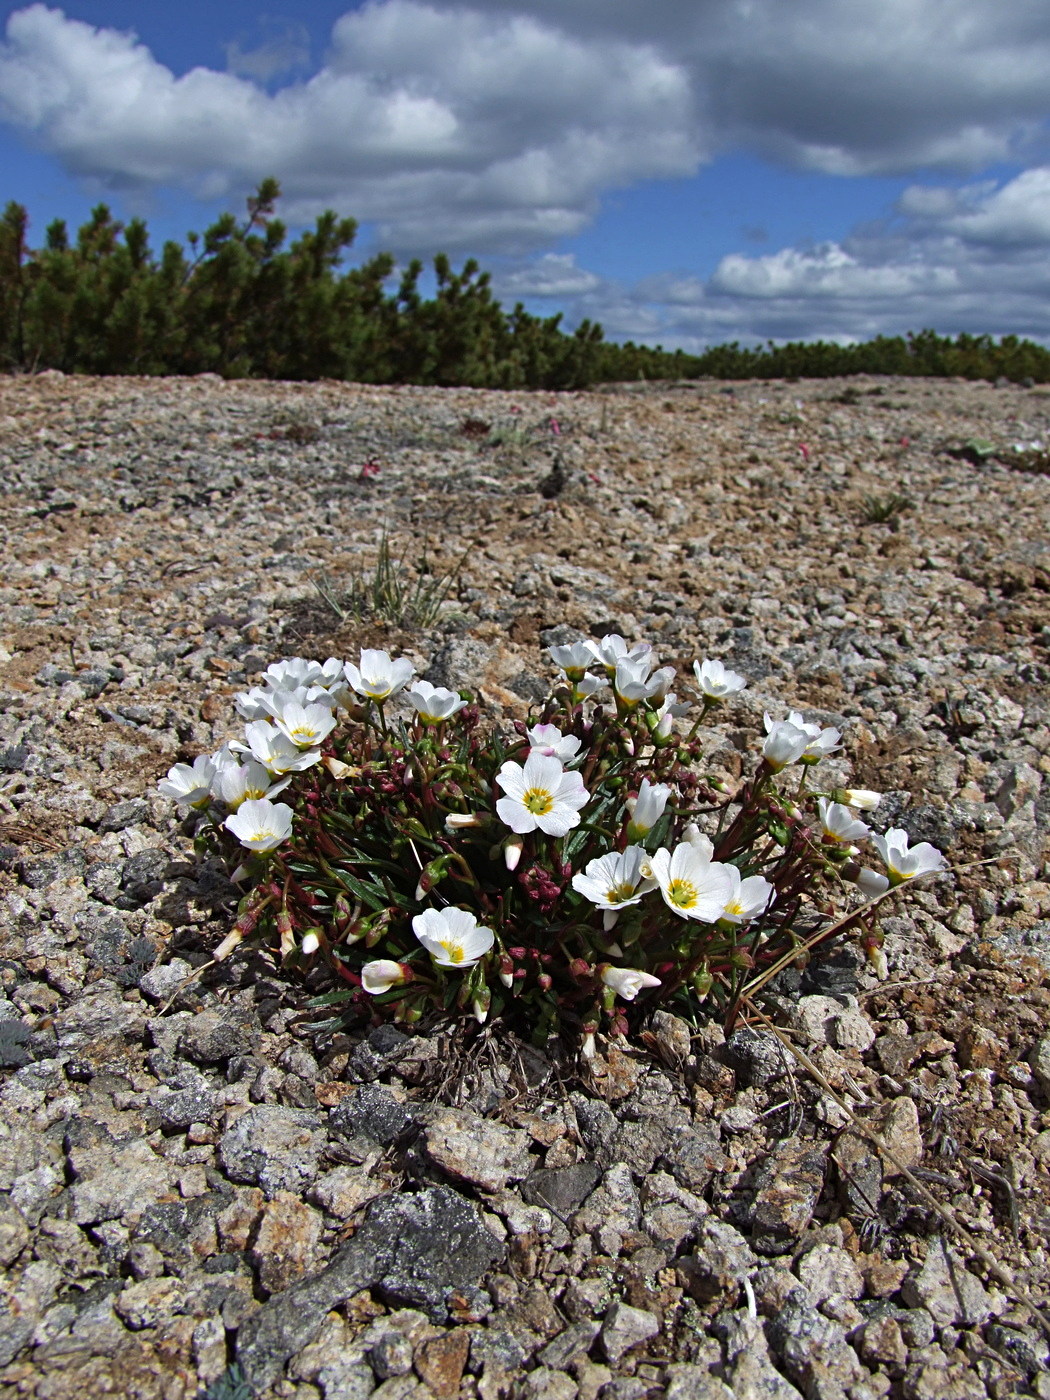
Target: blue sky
pixel 684 171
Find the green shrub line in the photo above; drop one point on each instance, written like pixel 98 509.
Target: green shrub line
pixel 241 304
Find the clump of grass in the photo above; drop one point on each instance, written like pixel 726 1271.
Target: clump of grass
pixel 514 434
pixel 295 426
pixel 391 593
pixel 884 510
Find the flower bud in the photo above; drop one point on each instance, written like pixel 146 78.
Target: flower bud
pixel 480 1006
pixel 311 941
pixel 512 849
pixel 862 798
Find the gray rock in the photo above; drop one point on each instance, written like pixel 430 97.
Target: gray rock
pixel 181 1107
pixel 828 1269
pixel 14 1232
pixel 391 1355
pixel 567 1346
pixel 561 1189
pixel 694 1154
pixel 624 1327
pixel 947 1289
pixel 684 1381
pixel 494 1348
pixel 614 1206
pixel 371 1111
pixel 427 1244
pixel 1022 1346
pixel 859 1169
pixel 273 1147
pixel 787 1188
pixel 545 1384
pixel 1040 1062
pixel 477 1150
pixel 216 1035
pixel 16 1331
pixel 813 1349
pixel 114 1178
pixel 124 814
pixel 720 1261
pixel 163 982
pixel 757 1057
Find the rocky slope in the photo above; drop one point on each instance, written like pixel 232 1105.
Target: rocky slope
pixel 203 1194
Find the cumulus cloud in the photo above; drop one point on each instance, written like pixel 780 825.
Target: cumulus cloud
pixel 552 275
pixel 444 126
pixel 848 89
pixel 286 50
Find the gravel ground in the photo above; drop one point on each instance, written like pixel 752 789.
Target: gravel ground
pixel 208 1196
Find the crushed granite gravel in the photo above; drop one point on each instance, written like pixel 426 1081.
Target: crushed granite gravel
pixel 192 1178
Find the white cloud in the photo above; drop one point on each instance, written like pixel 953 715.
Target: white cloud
pixel 486 131
pixel 552 275
pixel 827 271
pixel 286 50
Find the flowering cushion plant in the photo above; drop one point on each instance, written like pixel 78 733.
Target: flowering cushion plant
pixel 567 872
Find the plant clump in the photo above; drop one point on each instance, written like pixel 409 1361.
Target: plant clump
pixel 563 874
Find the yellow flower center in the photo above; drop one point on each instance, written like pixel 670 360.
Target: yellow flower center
pixel 302 735
pixel 538 801
pixel 619 893
pixel 683 893
pixel 735 907
pixel 453 950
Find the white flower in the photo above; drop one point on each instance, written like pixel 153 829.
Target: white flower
pixel 748 898
pixel 433 703
pixel 381 974
pixel 257 703
pixel 547 739
pixel 275 750
pixel 245 782
pixel 825 741
pixel 574 659
pixel 862 798
pixel 715 681
pixel 821 741
pixel 784 743
pixel 870 882
pixel 541 795
pixel 378 677
pixel 612 648
pixel 189 786
pixel 627 982
pixel 293 673
pixel 700 843
pixel 904 864
pixel 647 808
pixel 839 824
pixel 615 880
pixel 588 685
pixel 633 683
pixel 452 937
pixel 306 725
pixel 691 884
pixel 260 825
